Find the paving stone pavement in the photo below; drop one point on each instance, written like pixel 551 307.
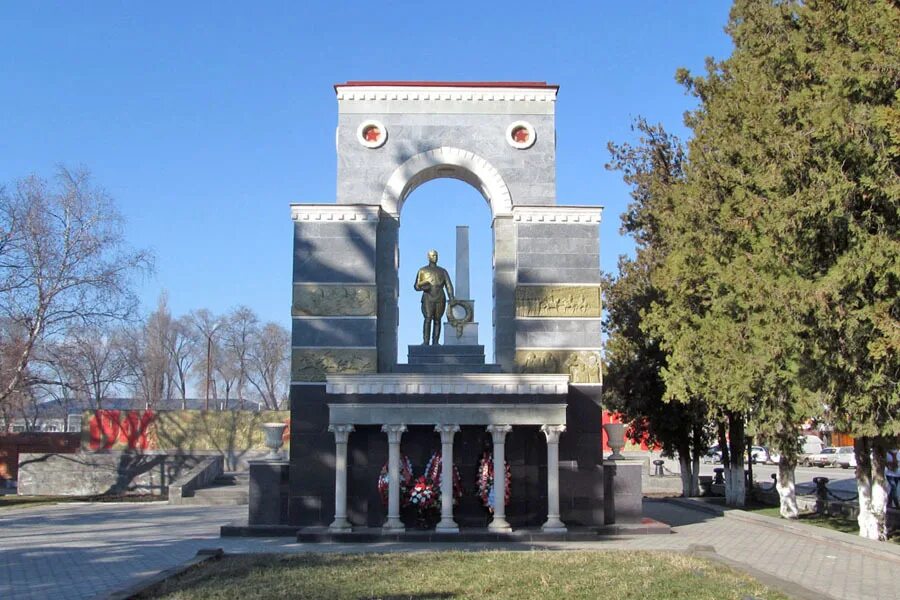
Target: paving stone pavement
pixel 86 550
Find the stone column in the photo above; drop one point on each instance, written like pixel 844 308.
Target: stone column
pixel 394 433
pixel 553 524
pixel 341 435
pixel 447 524
pixel 498 433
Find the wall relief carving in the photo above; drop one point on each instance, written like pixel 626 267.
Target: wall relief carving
pixel 313 365
pixel 558 301
pixel 582 366
pixel 312 300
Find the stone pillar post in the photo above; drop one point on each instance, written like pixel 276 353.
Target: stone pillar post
pixel 341 436
pixel 394 433
pixel 553 524
pixel 498 433
pixel 447 524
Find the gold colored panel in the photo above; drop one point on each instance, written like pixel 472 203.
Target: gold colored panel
pixel 313 365
pixel 311 300
pixel 558 301
pixel 582 366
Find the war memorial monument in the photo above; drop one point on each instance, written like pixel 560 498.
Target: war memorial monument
pixel 364 425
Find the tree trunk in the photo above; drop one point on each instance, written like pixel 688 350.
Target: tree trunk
pixel 735 489
pixel 723 444
pixel 868 522
pixel 695 475
pixel 879 485
pixel 787 494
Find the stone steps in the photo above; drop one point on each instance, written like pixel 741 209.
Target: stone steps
pixel 230 489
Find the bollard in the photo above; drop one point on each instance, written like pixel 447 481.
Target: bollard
pixel 658 471
pixel 821 495
pixel 720 475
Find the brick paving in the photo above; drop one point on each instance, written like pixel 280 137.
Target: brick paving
pixel 82 551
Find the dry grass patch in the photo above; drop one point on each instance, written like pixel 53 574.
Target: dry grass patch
pixel 420 575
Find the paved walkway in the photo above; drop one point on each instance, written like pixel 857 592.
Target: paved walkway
pixel 86 550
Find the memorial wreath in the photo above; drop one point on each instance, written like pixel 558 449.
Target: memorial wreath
pixel 486 481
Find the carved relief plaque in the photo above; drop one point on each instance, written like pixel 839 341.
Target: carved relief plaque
pixel 582 366
pixel 558 301
pixel 313 365
pixel 312 300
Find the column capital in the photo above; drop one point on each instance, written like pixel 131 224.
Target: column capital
pixel 498 432
pixel 553 432
pixel 447 432
pixel 394 432
pixel 341 432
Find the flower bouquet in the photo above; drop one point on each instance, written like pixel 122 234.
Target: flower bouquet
pixel 424 497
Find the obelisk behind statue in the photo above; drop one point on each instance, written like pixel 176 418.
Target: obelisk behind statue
pixel 462 329
pixel 462 262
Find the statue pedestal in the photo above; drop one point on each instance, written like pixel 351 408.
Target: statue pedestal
pixel 469 335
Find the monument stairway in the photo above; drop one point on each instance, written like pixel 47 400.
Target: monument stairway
pixel 229 489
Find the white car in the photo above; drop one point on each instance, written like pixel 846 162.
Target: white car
pixel 845 457
pixel 825 458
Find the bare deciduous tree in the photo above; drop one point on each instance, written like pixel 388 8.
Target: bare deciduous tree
pixel 63 261
pixel 270 364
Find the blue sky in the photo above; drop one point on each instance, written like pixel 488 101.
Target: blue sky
pixel 205 120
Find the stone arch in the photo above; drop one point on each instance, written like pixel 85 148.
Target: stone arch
pixel 452 163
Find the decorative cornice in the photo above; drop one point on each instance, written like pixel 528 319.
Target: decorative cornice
pixel 473 383
pixel 573 215
pixel 439 93
pixel 335 212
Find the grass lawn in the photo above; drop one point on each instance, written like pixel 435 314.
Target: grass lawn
pixel 835 522
pixel 15 501
pixel 489 574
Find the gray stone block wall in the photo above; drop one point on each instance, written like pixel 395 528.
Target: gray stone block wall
pixel 504 293
pixel 334 332
pixel 530 174
pixel 558 253
pixel 334 252
pixel 387 256
pixel 558 333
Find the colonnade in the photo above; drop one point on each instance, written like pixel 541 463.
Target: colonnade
pixel 448 432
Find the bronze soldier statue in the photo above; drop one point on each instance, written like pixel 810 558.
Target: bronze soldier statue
pixel 431 281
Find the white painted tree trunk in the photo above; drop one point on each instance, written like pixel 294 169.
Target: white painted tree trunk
pixel 787 494
pixel 879 488
pixel 735 486
pixel 867 519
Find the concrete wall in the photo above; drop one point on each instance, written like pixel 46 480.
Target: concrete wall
pixel 85 474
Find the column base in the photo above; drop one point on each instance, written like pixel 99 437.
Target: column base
pixel 393 525
pixel 447 526
pixel 499 524
pixel 554 525
pixel 340 524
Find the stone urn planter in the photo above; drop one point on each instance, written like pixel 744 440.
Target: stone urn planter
pixel 615 438
pixel 274 439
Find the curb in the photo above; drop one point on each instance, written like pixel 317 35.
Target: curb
pixel 882 550
pixel 203 555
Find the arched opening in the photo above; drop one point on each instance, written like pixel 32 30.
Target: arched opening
pixel 428 222
pixel 452 163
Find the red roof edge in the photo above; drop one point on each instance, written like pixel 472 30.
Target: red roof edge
pixel 543 85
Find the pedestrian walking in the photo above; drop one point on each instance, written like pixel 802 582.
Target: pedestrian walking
pixel 892 473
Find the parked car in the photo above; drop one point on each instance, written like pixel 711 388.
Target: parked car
pixel 825 458
pixel 760 454
pixel 846 457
